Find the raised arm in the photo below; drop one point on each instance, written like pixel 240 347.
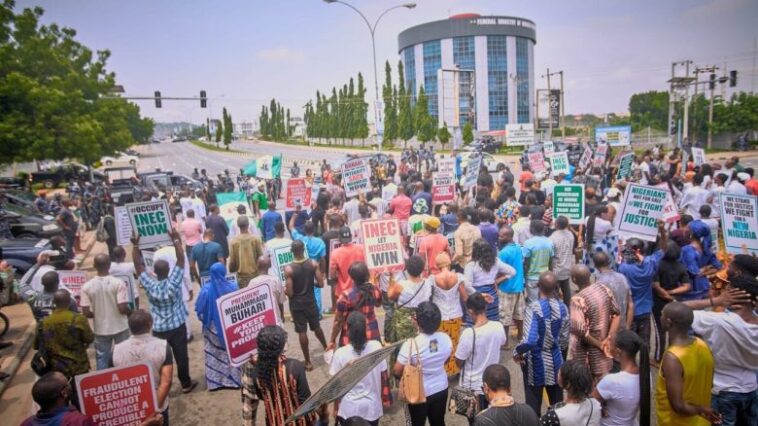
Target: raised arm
pixel 178 247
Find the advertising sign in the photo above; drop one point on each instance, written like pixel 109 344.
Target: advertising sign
pixel 698 156
pixel 536 162
pixel 443 188
pixel 625 166
pixel 282 256
pixel 121 395
pixel 356 177
pixel 549 108
pixel 152 221
pixel 740 223
pixel 641 210
pixel 73 281
pixel 382 244
pixel 601 152
pixel 123 226
pixel 614 135
pixel 243 314
pixel 298 193
pixel 568 200
pixel 446 165
pixel 586 158
pixel 472 171
pixel 519 134
pixel 559 162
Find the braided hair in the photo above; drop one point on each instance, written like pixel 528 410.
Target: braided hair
pixel 359 274
pixel 271 341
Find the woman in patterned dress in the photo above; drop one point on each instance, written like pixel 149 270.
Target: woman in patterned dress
pixel 483 273
pixel 600 235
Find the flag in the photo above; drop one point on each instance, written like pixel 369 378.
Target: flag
pixel 228 203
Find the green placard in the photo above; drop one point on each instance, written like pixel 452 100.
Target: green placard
pixel 568 200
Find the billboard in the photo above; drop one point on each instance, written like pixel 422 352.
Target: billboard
pixel 614 135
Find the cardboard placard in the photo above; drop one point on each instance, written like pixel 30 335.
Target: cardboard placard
pixel 298 192
pixel 243 314
pixel 128 281
pixel 148 258
pixel 739 222
pixel 568 201
pixel 600 154
pixel 559 163
pixel 536 162
pixel 382 244
pixel 642 208
pixel 282 256
pixel 73 281
pixel 118 396
pixel 586 158
pixel 446 165
pixel 356 177
pixel 519 134
pixel 472 171
pixel 152 221
pixel 614 135
pixel 443 188
pixel 625 166
pixel 670 210
pixel 698 156
pixel 264 167
pixel 123 226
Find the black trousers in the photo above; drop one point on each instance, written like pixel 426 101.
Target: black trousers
pixel 641 326
pixel 533 394
pixel 177 339
pixel 433 409
pixel 660 333
pixel 565 286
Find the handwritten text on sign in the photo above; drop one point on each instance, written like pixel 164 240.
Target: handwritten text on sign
pixel 243 314
pixel 356 176
pixel 118 396
pixel 738 213
pixel 151 220
pixel 382 244
pixel 443 188
pixel 642 208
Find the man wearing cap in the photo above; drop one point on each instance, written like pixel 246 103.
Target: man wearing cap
pixel 342 258
pixel 431 245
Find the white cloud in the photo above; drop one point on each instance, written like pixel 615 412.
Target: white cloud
pixel 281 55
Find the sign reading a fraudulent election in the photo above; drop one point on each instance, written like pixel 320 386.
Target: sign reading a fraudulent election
pixel 519 134
pixel 356 177
pixel 642 208
pixel 568 200
pixel 243 314
pixel 73 281
pixel 443 188
pixel 152 221
pixel 614 135
pixel 118 396
pixel 739 222
pixel 282 256
pixel 472 171
pixel 382 244
pixel 559 163
pixel 625 166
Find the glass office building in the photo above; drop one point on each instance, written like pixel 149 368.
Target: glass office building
pixel 473 68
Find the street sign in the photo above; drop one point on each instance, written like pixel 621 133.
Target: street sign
pixel 642 208
pixel 152 221
pixel 739 222
pixel 519 134
pixel 120 395
pixel 568 201
pixel 614 135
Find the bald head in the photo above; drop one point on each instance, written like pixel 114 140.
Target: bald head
pixel 62 299
pixel 547 283
pixel 102 264
pixel 160 267
pixel 580 274
pixel 601 260
pixel 264 263
pixel 48 391
pixel 677 315
pixel 505 235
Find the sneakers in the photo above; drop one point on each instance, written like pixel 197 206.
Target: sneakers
pixel 191 387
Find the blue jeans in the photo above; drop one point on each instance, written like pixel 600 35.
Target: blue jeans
pixel 736 408
pixel 104 348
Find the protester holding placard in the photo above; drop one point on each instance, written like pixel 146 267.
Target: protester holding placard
pixel 41 303
pixel 120 268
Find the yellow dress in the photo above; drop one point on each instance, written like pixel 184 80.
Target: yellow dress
pixel 697 363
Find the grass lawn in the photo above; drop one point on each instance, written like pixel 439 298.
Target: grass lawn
pixel 214 147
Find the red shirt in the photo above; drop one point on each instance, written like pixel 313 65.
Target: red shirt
pixel 341 259
pixel 429 247
pixel 401 207
pixel 752 186
pixel 525 176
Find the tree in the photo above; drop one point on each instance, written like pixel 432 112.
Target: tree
pixel 468 134
pixel 390 113
pixel 404 110
pixel 228 128
pixel 443 134
pixel 649 109
pixel 740 114
pixel 219 131
pixel 425 128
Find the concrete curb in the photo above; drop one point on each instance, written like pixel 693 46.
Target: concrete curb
pixel 26 344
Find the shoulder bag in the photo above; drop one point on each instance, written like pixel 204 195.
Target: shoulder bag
pixel 40 362
pixel 464 401
pixel 411 387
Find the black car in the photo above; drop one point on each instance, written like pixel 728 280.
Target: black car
pixel 12 182
pixel 63 174
pixel 25 223
pixel 19 198
pixel 22 253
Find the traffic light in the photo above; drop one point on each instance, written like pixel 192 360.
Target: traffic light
pixel 732 78
pixel 712 82
pixel 203 99
pixel 157 99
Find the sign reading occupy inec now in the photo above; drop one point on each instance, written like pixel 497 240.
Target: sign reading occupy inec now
pixel 568 201
pixel 356 177
pixel 152 221
pixel 382 244
pixel 614 135
pixel 625 166
pixel 122 395
pixel 739 222
pixel 642 208
pixel 519 134
pixel 559 163
pixel 243 314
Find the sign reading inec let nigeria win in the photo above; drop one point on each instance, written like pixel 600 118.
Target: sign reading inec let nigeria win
pixel 152 221
pixel 559 163
pixel 356 177
pixel 382 244
pixel 739 222
pixel 568 200
pixel 643 206
pixel 614 135
pixel 519 134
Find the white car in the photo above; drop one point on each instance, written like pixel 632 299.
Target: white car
pixel 489 161
pixel 120 159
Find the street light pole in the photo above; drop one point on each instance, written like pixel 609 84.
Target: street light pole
pixel 372 31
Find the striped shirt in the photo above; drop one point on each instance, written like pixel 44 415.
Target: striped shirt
pixel 546 333
pixel 165 297
pixel 591 312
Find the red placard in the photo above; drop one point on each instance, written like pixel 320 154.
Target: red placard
pixel 118 396
pixel 382 244
pixel 536 162
pixel 243 314
pixel 443 188
pixel 298 191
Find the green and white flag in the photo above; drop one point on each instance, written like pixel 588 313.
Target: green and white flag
pixel 228 203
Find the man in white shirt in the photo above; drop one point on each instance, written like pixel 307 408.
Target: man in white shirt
pixel 736 186
pixel 641 169
pixel 351 209
pixel 694 197
pixel 125 271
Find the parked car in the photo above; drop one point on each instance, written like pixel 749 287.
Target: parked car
pixel 492 163
pixel 64 173
pixel 25 223
pixel 19 198
pixel 11 182
pixel 124 183
pixel 22 253
pixel 180 139
pixel 161 180
pixel 120 159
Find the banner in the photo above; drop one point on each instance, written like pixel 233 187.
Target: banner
pixel 739 222
pixel 698 156
pixel 228 203
pixel 586 158
pixel 614 135
pixel 73 281
pixel 231 278
pixel 472 171
pixel 356 177
pixel 625 166
pixel 243 314
pixel 443 188
pixel 548 147
pixel 123 226
pixel 382 244
pixel 536 162
pixel 641 210
pixel 152 221
pixel 559 163
pixel 519 134
pixel 122 395
pixel 568 200
pixel 298 193
pixel 282 256
pixel 601 151
pixel 388 192
pixel 446 165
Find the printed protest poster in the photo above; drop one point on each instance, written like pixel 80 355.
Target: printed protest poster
pixel 73 281
pixel 148 257
pixel 670 210
pixel 536 162
pixel 243 314
pixel 472 171
pixel 382 244
pixel 739 222
pixel 586 158
pixel 559 162
pixel 642 208
pixel 568 200
pixel 152 221
pixel 600 154
pixel 356 177
pixel 625 166
pixel 388 192
pixel 446 165
pixel 298 193
pixel 698 156
pixel 121 395
pixel 123 226
pixel 128 280
pixel 614 135
pixel 519 134
pixel 231 278
pixel 282 256
pixel 443 188
pixel 548 147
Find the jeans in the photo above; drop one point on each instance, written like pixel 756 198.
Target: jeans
pixel 736 408
pixel 104 348
pixel 177 339
pixel 641 326
pixel 69 244
pixel 434 409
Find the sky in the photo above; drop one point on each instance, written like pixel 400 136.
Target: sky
pixel 244 52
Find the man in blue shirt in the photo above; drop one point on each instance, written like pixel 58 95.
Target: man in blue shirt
pixel 511 290
pixel 640 270
pixel 315 248
pixel 538 258
pixel 205 254
pixel 269 220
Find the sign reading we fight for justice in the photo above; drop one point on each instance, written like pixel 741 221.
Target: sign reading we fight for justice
pixel 152 221
pixel 642 208
pixel 123 396
pixel 356 177
pixel 739 222
pixel 243 314
pixel 298 192
pixel 559 163
pixel 443 188
pixel 568 200
pixel 382 244
pixel 73 281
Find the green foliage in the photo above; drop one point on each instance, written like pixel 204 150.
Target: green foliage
pixel 443 134
pixel 55 100
pixel 342 115
pixel 272 122
pixel 405 129
pixel 468 134
pixel 228 128
pixel 219 131
pixel 425 128
pixel 389 94
pixel 649 109
pixel 740 114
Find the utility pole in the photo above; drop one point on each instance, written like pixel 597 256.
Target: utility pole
pixel 755 53
pixel 549 115
pixel 710 109
pixel 685 129
pixel 563 118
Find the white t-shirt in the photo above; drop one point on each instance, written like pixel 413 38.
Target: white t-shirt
pixel 414 293
pixel 103 295
pixel 644 168
pixel 621 392
pixel 489 338
pixel 125 271
pixel 365 398
pixel 434 351
pixel 351 210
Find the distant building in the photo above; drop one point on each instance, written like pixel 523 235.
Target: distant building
pixel 297 124
pixel 244 129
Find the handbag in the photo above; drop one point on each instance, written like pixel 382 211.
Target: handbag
pixel 411 387
pixel 464 401
pixel 40 363
pixel 101 235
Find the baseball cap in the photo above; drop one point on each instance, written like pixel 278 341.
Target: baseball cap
pixel 345 234
pixel 743 176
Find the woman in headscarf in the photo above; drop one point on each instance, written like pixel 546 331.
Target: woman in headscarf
pixel 218 370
